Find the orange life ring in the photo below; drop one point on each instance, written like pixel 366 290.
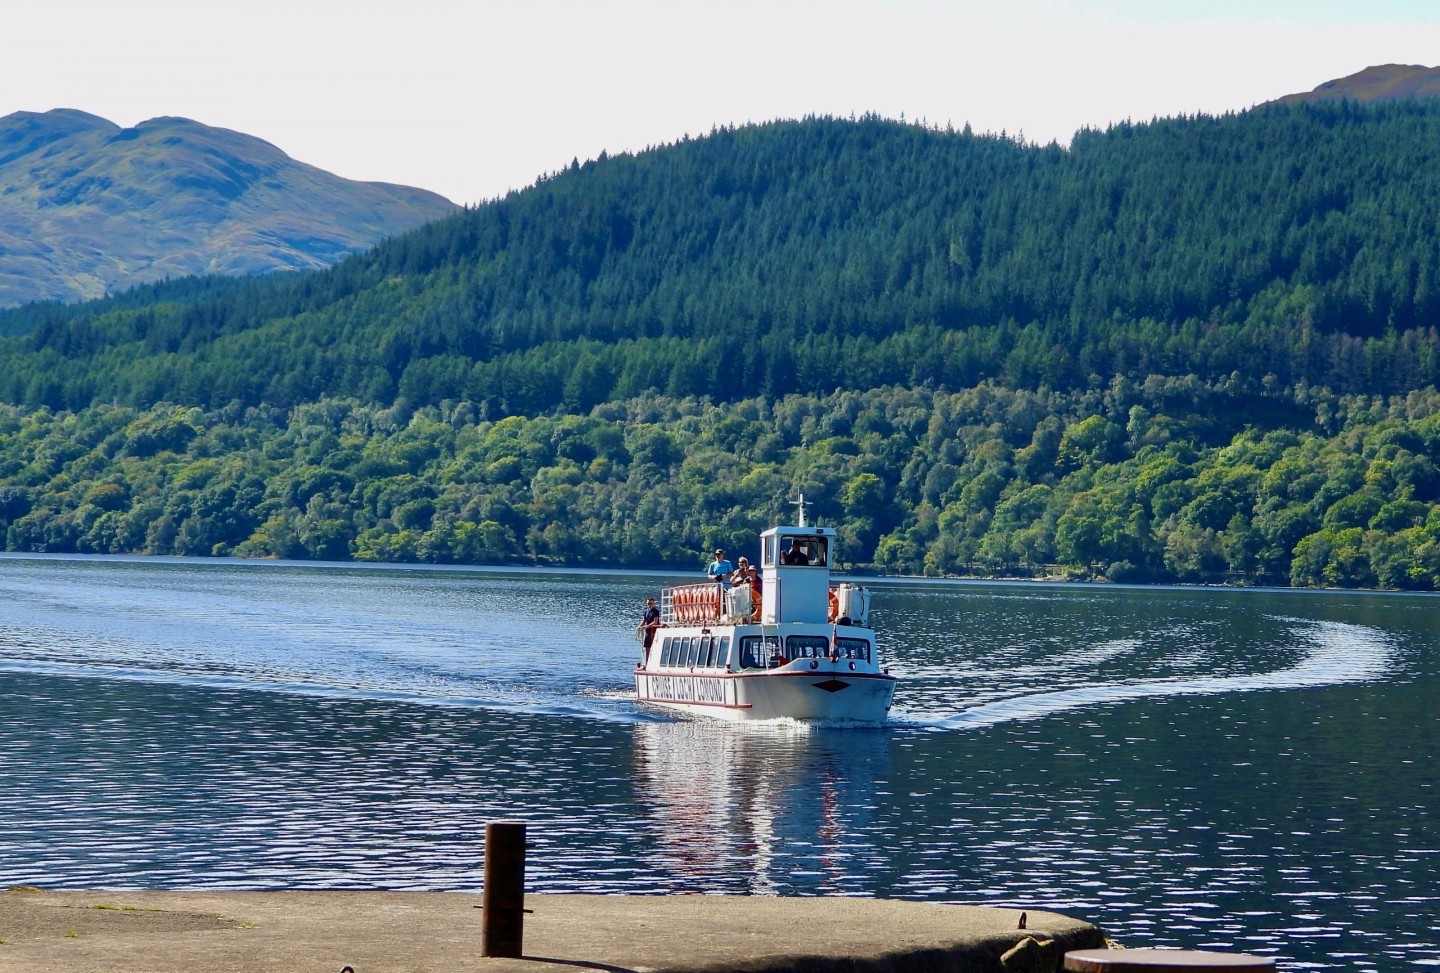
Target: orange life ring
pixel 834 606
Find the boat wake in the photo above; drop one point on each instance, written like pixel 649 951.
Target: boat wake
pixel 1333 653
pixel 612 706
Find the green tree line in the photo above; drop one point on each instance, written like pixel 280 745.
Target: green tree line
pixel 1114 483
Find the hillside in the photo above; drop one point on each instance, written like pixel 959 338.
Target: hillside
pixel 1199 349
pixel 87 208
pixel 1383 82
pixel 1300 242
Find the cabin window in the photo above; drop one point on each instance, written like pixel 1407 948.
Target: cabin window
pixel 688 656
pixel 770 649
pixel 666 650
pixel 707 652
pixel 807 646
pixel 756 651
pixel 767 552
pixel 723 657
pixel 853 649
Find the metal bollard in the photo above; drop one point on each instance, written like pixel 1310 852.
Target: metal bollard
pixel 503 896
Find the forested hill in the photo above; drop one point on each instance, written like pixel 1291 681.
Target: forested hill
pixel 1196 349
pixel 1296 242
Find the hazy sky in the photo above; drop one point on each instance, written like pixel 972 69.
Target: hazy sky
pixel 471 98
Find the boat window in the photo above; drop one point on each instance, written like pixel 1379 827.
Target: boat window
pixel 767 553
pixel 665 651
pixel 807 646
pixel 803 551
pixel 854 648
pixel 707 652
pixel 756 651
pixel 723 657
pixel 691 645
pixel 770 649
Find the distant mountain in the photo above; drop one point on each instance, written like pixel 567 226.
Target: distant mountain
pixel 87 207
pixel 1384 82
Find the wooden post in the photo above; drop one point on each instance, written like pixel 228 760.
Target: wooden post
pixel 503 898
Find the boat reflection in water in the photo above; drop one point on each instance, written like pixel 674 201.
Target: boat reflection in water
pixel 762 808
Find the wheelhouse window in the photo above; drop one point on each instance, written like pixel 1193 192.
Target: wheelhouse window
pixel 805 551
pixel 853 649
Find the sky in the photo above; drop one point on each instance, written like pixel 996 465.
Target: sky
pixel 474 98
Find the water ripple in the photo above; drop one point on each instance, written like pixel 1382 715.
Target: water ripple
pixel 1266 785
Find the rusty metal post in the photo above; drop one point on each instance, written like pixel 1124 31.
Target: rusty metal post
pixel 503 898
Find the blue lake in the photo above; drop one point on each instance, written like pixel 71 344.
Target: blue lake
pixel 1248 770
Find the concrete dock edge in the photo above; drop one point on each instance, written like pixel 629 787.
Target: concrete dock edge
pixel 420 932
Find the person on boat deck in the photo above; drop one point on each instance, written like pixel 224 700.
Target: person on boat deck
pixel 720 569
pixel 746 576
pixel 650 621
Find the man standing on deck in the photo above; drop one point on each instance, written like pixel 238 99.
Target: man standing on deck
pixel 720 569
pixel 650 621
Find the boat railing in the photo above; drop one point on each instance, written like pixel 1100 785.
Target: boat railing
pixel 709 603
pixel 706 603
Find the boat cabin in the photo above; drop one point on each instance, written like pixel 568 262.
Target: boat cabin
pixel 795 574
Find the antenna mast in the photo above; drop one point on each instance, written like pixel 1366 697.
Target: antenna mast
pixel 801 504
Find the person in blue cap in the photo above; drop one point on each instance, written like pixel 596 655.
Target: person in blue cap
pixel 720 569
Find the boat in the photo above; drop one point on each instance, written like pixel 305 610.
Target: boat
pixel 793 645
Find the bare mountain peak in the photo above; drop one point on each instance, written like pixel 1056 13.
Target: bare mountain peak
pixel 1381 82
pixel 88 207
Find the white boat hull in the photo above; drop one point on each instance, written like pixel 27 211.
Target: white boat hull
pixel 812 690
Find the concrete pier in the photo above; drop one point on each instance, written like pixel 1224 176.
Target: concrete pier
pixel 421 932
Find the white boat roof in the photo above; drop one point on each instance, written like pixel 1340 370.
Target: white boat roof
pixel 806 531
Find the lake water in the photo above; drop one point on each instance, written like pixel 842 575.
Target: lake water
pixel 1241 770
